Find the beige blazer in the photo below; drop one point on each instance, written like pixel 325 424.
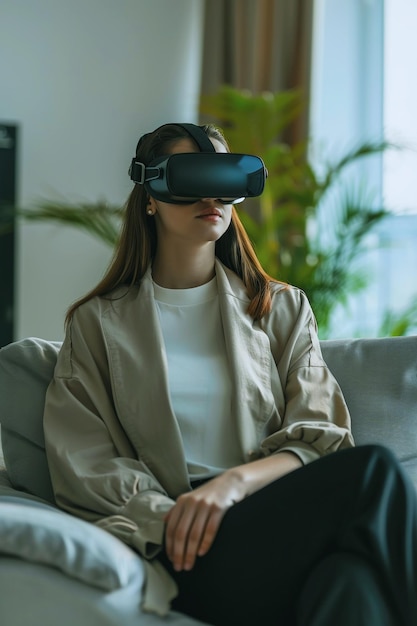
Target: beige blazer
pixel 112 440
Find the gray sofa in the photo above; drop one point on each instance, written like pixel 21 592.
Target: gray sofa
pixel 56 569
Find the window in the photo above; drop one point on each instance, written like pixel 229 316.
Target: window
pixel 363 89
pixel 400 104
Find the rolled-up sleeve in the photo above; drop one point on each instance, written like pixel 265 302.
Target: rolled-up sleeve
pixel 314 417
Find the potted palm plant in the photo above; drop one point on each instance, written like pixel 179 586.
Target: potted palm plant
pixel 281 222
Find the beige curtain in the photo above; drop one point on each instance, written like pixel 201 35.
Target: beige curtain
pixel 260 45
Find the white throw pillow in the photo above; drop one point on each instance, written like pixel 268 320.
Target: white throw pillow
pixel 41 534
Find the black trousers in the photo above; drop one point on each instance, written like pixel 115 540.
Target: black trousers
pixel 331 544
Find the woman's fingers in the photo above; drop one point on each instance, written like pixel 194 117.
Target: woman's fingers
pixel 190 531
pixel 210 531
pixel 184 530
pixel 193 522
pixel 195 535
pixel 176 532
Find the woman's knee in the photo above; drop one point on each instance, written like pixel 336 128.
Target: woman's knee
pixel 380 460
pixel 373 458
pixel 373 451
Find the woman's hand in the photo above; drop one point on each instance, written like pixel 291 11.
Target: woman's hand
pixel 193 522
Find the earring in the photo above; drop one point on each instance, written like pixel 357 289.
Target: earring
pixel 149 212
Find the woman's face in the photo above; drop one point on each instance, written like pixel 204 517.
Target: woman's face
pixel 199 223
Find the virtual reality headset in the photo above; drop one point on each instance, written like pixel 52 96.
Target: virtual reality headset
pixel 184 178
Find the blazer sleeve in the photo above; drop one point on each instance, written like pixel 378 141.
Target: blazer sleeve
pixel 94 470
pixel 314 418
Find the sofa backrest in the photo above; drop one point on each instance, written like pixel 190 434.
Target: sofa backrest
pixel 378 378
pixel 26 369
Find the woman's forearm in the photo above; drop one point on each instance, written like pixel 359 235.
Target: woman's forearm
pixel 193 522
pixel 253 476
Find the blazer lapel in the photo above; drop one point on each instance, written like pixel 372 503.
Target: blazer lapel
pixel 250 361
pixel 138 367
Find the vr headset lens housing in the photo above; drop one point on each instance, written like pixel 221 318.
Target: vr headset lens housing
pixel 184 178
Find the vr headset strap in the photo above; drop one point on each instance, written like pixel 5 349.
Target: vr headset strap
pixel 199 136
pixel 140 173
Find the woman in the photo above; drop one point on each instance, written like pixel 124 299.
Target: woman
pixel 191 414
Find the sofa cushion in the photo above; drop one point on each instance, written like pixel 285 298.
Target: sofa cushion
pixel 26 369
pixel 378 378
pixel 41 534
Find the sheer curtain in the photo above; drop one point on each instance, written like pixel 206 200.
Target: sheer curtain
pixel 260 45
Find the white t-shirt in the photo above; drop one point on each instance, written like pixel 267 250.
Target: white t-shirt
pixel 199 377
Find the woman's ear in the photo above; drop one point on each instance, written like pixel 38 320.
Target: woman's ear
pixel 151 206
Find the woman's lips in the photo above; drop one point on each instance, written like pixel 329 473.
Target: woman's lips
pixel 211 215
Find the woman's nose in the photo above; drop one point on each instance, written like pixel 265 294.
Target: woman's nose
pixel 213 200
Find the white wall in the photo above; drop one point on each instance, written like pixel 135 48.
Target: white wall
pixel 84 79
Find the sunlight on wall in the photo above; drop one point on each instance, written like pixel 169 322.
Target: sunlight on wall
pixel 363 88
pixel 400 104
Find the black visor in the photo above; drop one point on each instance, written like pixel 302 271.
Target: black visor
pixel 184 178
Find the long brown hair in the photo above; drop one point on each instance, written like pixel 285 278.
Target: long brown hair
pixel 137 243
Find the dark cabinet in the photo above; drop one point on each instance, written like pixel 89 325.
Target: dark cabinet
pixel 8 167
